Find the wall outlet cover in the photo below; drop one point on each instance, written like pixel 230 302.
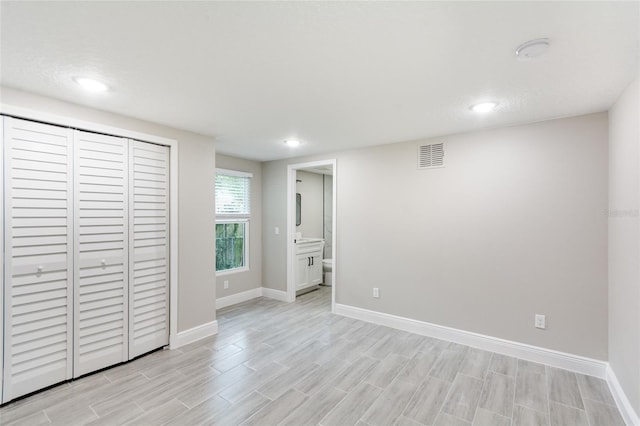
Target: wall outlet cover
pixel 540 321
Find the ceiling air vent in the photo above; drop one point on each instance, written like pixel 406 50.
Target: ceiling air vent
pixel 431 156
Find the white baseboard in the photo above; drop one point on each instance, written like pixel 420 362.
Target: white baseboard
pixel 234 299
pixel 223 302
pixel 274 294
pixel 550 357
pixel 193 334
pixel 628 413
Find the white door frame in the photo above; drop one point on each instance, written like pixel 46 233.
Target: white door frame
pixel 291 225
pixel 45 117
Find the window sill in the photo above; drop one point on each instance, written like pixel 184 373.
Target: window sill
pixel 232 271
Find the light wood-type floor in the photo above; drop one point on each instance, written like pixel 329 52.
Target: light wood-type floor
pixel 274 363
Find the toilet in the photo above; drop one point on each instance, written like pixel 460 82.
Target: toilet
pixel 327 270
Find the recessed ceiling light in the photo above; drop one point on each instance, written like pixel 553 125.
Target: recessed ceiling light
pixel 484 107
pixel 292 142
pixel 90 84
pixel 532 49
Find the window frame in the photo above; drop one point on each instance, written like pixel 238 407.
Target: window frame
pixel 243 218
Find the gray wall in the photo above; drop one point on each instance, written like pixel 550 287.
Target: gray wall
pixel 310 190
pixel 196 174
pixel 243 281
pixel 624 242
pixel 513 226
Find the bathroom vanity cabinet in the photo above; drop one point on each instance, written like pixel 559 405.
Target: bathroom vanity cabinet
pixel 308 262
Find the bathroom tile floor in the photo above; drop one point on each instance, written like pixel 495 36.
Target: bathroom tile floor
pixel 274 363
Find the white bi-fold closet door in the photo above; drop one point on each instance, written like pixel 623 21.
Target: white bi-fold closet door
pixel 38 241
pixel 86 248
pixel 101 251
pixel 149 247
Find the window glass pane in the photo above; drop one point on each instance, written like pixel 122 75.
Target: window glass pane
pixel 230 245
pixel 232 194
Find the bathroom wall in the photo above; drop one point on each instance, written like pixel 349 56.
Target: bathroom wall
pixel 310 188
pixel 513 226
pixel 327 181
pixel 245 280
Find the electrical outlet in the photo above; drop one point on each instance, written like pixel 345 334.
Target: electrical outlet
pixel 540 321
pixel 226 284
pixel 376 292
pixel 276 230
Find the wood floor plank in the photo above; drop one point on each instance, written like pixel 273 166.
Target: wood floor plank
pixel 599 413
pixel 428 401
pixel 313 410
pixel 531 386
pixel 463 397
pixel 355 373
pixel 201 413
pixel 386 371
pixel 240 411
pixel 390 405
pixel 489 418
pixel 503 364
pixel 595 389
pixel 498 393
pixel 563 387
pixel 353 406
pixel 418 367
pixel 277 410
pixel 447 365
pixel 564 415
pixel 523 416
pixel 475 363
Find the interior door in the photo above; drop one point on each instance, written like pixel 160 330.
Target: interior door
pixel 149 247
pixel 38 241
pixel 101 251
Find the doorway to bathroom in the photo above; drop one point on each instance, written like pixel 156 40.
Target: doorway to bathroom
pixel 311 228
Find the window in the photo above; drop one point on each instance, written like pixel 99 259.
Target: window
pixel 233 212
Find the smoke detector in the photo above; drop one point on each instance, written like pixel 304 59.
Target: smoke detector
pixel 532 49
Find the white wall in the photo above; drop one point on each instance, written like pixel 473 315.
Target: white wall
pixel 311 193
pixel 246 280
pixel 196 175
pixel 624 242
pixel 513 226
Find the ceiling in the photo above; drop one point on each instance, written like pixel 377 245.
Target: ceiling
pixel 336 75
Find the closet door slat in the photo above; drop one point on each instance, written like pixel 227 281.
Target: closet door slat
pixel 38 239
pixel 149 245
pixel 101 252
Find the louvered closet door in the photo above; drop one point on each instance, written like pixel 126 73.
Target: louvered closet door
pixel 101 252
pixel 149 246
pixel 38 256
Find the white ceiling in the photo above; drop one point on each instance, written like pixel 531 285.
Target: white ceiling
pixel 334 74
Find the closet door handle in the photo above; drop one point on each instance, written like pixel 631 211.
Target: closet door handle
pixel 308 261
pixel 312 261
